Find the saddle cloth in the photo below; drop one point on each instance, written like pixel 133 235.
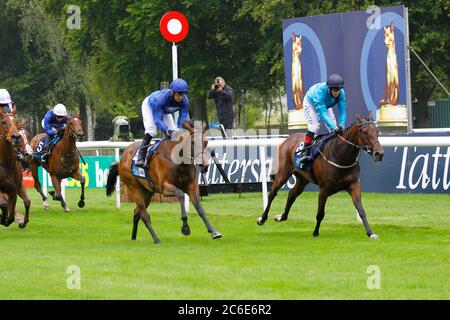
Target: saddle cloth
pixel 142 172
pixel 317 146
pixel 37 153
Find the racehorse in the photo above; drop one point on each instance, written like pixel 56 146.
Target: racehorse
pixel 172 172
pixel 11 145
pixel 335 169
pixel 64 162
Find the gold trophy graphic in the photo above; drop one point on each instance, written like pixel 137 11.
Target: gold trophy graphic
pixel 390 113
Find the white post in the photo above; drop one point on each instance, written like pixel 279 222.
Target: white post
pixel 44 181
pixel 175 76
pixel 174 61
pixel 117 157
pixel 63 188
pixel 262 158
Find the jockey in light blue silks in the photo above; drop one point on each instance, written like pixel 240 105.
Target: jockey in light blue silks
pixel 157 113
pixel 54 123
pixel 318 104
pixel 6 102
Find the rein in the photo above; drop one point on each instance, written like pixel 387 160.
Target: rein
pixel 364 148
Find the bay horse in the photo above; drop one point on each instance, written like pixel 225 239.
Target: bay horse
pixel 172 171
pixel 64 162
pixel 335 169
pixel 11 144
pixel 24 157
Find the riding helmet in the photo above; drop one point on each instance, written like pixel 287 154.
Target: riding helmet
pixel 335 81
pixel 179 85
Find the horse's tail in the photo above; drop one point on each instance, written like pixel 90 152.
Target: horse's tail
pixel 112 178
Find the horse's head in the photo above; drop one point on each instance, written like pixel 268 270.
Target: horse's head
pixel 368 137
pixel 198 156
pixel 24 144
pixel 75 128
pixel 9 128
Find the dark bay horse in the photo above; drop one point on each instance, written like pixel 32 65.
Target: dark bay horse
pixel 11 144
pixel 173 173
pixel 64 162
pixel 335 169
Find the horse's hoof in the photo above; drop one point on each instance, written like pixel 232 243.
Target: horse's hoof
pixel 185 231
pixel 157 241
pixel 260 221
pixel 22 225
pixel 66 209
pixel 216 235
pixel 46 205
pixel 279 218
pixel 315 234
pixel 373 236
pixel 81 204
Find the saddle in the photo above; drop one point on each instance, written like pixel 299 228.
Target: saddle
pixel 38 152
pixel 142 172
pixel 316 147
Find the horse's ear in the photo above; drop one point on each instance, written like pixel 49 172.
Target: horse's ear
pixel 369 117
pixel 204 126
pixel 360 119
pixel 293 36
pixel 14 110
pixel 23 123
pixel 188 124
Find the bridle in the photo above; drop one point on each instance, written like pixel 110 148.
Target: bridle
pixel 366 147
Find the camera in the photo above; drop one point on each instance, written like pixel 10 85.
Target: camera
pixel 216 86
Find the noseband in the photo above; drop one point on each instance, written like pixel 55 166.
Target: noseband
pixel 366 147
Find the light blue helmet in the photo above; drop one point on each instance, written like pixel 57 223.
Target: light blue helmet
pixel 179 85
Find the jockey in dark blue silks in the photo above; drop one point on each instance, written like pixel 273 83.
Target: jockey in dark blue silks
pixel 318 104
pixel 157 113
pixel 54 122
pixel 6 102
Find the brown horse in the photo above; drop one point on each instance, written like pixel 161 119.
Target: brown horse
pixel 64 162
pixel 172 172
pixel 335 169
pixel 10 169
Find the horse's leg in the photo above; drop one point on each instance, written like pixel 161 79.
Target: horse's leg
pixel 4 208
pixel 323 196
pixel 171 189
pixel 37 185
pixel 27 203
pixel 194 195
pixel 57 196
pixel 355 191
pixel 12 200
pixel 297 190
pixel 279 181
pixel 137 215
pixel 82 180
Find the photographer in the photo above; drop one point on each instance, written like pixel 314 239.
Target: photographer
pixel 223 99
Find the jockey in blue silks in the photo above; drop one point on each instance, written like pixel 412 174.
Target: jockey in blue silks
pixel 54 122
pixel 318 104
pixel 157 113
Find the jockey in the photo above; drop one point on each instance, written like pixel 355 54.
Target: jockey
pixel 157 112
pixel 6 102
pixel 54 123
pixel 318 104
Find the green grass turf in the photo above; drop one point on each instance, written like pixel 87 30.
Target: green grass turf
pixel 275 261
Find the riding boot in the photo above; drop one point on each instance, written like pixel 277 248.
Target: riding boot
pixel 143 150
pixel 306 153
pixel 45 152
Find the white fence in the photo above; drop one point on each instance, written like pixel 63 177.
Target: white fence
pixel 262 144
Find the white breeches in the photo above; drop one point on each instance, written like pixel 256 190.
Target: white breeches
pixel 313 118
pixel 149 122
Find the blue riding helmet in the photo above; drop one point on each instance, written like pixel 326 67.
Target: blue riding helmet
pixel 335 81
pixel 179 85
